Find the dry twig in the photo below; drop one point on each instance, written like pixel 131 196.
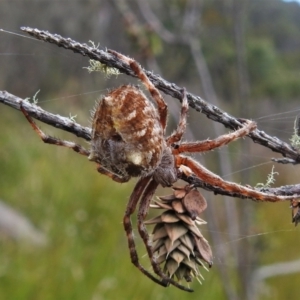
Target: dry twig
pixel 212 112
pixel 196 102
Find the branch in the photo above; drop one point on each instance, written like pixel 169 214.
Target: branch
pixel 38 113
pixel 66 124
pixel 196 102
pixel 285 190
pixel 212 112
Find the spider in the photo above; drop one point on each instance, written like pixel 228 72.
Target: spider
pixel 128 140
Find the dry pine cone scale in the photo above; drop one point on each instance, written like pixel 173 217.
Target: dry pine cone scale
pixel 178 243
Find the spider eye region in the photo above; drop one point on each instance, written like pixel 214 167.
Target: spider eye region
pixel 127 136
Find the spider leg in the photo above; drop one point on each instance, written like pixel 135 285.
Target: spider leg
pixel 142 212
pixel 178 133
pixel 214 180
pixel 202 146
pixel 111 175
pixel 161 104
pixel 74 146
pixel 131 206
pixel 52 140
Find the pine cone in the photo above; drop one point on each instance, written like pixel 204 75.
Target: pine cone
pixel 177 240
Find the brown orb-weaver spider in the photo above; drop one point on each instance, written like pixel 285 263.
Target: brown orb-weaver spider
pixel 128 141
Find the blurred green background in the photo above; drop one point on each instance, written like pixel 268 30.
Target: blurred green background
pixel 243 56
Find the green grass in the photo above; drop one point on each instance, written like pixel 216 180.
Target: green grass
pixel 81 212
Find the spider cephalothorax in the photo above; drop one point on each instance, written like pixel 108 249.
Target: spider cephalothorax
pixel 128 141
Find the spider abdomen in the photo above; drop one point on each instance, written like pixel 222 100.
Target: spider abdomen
pixel 127 137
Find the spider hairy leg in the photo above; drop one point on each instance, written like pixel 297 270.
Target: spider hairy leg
pixel 214 180
pixel 131 206
pixel 112 176
pixel 178 133
pixel 52 140
pixel 207 145
pixel 162 106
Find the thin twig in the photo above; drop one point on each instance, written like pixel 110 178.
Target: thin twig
pixel 57 121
